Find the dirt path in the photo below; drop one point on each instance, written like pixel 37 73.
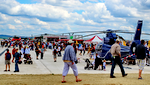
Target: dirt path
pixel 88 79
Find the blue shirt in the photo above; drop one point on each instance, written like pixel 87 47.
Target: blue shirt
pixel 17 55
pixel 69 54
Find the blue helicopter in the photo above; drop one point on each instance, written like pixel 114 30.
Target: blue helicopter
pixel 103 48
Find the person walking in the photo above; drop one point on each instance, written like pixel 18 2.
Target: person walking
pixel 17 59
pixel 42 52
pixel 140 53
pixel 115 51
pixel 37 51
pixel 55 53
pixel 83 49
pixel 7 59
pixel 59 50
pixel 69 59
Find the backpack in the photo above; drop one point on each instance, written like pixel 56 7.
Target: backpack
pixel 55 51
pixel 8 56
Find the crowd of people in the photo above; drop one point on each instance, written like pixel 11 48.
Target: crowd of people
pixel 69 57
pixel 24 47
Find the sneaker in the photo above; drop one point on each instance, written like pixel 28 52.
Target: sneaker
pixel 16 71
pixel 140 78
pixel 112 76
pixel 124 75
pixel 5 70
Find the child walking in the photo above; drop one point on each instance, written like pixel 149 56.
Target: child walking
pixel 104 65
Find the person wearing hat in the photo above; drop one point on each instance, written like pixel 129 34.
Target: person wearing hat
pixel 69 59
pixel 115 51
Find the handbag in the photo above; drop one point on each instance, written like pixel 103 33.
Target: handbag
pixel 19 62
pixel 76 61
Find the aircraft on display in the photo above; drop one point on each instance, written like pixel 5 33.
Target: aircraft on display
pixel 103 48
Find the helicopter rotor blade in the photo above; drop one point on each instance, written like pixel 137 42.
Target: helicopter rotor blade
pixel 88 35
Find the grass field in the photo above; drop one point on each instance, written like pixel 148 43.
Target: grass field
pixel 87 79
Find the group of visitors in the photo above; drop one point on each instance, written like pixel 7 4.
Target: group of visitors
pixel 8 57
pixel 140 53
pixel 70 50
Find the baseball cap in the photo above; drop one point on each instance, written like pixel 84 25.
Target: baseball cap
pixel 70 41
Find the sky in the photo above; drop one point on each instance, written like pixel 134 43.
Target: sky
pixel 33 17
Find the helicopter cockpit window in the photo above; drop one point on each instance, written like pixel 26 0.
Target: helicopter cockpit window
pixel 99 47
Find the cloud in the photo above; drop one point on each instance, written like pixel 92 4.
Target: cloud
pixel 3 17
pixel 60 16
pixel 41 11
pixel 18 21
pixel 19 27
pixel 68 27
pixel 129 28
pixel 29 27
pixel 11 26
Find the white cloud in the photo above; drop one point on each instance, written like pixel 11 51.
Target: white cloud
pixel 68 27
pixel 29 26
pixel 58 16
pixel 129 28
pixel 19 27
pixel 40 22
pixel 18 21
pixel 3 17
pixel 36 10
pixel 11 26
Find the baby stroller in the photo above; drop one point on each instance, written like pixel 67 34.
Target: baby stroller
pixel 28 59
pixel 89 64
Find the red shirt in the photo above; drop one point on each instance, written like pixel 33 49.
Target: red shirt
pixel 13 51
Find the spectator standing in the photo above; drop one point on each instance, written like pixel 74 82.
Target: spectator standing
pixel 140 53
pixel 42 52
pixel 115 51
pixel 83 49
pixel 37 51
pixel 75 48
pixel 7 60
pixel 98 61
pixel 89 49
pixel 59 50
pixel 13 51
pixel 17 59
pixel 54 53
pixel 69 59
pixel 80 48
pixel 27 51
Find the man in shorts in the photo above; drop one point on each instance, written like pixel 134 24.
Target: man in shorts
pixel 140 53
pixel 7 60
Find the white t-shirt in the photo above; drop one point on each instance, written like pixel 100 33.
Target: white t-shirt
pixel 59 48
pixel 104 63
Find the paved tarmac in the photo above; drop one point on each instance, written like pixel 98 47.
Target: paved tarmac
pixel 48 66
